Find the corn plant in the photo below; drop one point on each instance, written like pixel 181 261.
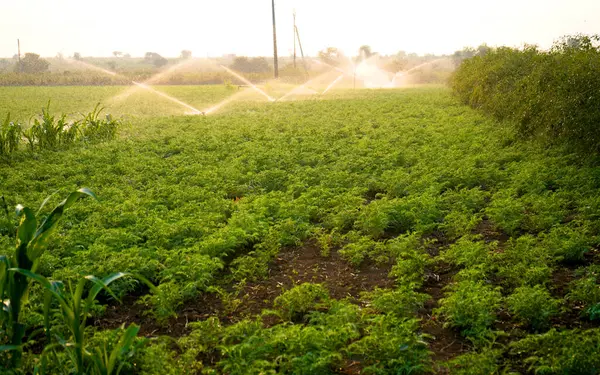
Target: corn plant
pixel 31 242
pixel 93 128
pixel 48 129
pixel 10 136
pixel 74 312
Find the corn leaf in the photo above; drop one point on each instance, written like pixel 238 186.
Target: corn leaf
pixel 25 233
pixel 42 235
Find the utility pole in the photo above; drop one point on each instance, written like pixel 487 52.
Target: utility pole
pixel 275 64
pixel 19 54
pixel 294 38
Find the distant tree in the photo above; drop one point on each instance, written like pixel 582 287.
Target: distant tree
pixel 155 59
pixel 186 54
pixel 117 53
pixel 32 63
pixel 127 56
pixel 331 56
pixel 364 52
pixel 77 56
pixel 60 56
pixel 253 65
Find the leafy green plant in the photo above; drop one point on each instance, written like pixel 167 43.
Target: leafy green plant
pixel 533 305
pixel 568 243
pixel 301 299
pixel 526 262
pixel 93 128
pixel 586 290
pixel 459 223
pixel 561 352
pixel 470 306
pixel 411 260
pixel 403 301
pixel 10 136
pixel 74 312
pixel 484 362
pixel 469 251
pixel 516 85
pixel 391 345
pixel 507 212
pixel 31 244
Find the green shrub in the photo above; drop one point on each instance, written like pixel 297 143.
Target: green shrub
pixel 470 306
pixel 533 305
pixel 568 243
pixel 468 251
pixel 484 362
pixel 403 301
pixel 10 136
pixel 507 212
pixel 517 85
pixel 293 304
pixel 410 266
pixel 358 250
pixel 392 346
pixel 586 290
pixel 459 223
pixel 567 352
pixel 314 348
pixel 526 262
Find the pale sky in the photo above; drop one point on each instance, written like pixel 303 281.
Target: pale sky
pixel 243 27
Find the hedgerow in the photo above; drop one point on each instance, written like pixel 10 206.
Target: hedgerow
pixel 550 94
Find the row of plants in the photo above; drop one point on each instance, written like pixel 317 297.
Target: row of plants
pixel 547 94
pixel 52 132
pixel 67 347
pixel 391 178
pixel 183 77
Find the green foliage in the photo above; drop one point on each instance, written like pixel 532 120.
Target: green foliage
pixel 507 212
pixel 314 348
pixel 561 352
pixel 391 345
pixel 533 305
pixel 31 242
pixel 51 132
pixel 199 203
pixel 526 262
pixel 469 251
pixel 403 301
pixel 517 85
pixel 471 306
pixel 586 290
pixel 31 63
pixel 457 224
pixel 484 362
pixel 10 136
pixel 411 260
pixel 569 243
pixel 293 304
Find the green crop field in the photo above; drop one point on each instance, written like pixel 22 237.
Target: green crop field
pixel 375 232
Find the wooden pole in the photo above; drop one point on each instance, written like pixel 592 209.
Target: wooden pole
pixel 275 63
pixel 19 54
pixel 294 38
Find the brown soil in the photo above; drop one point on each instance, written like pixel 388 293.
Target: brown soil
pixel 293 266
pixel 445 343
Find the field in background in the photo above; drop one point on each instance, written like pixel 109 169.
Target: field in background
pixel 391 230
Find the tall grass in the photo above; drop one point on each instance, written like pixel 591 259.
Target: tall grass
pixel 551 95
pixel 52 132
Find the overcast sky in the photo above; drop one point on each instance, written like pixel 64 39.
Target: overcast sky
pixel 243 27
